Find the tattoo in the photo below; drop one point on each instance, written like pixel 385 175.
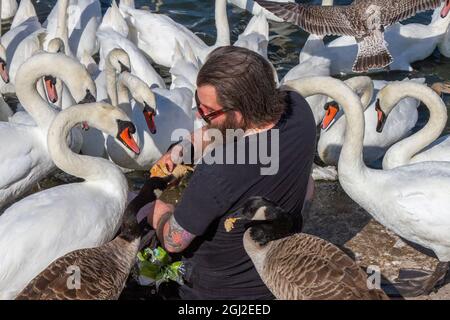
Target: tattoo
pixel 177 237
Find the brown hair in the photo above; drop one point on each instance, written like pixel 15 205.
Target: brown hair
pixel 244 81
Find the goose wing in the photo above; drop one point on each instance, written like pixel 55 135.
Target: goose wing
pixel 395 11
pixel 84 274
pixel 320 20
pixel 307 267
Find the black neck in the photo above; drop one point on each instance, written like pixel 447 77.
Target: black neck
pixel 131 229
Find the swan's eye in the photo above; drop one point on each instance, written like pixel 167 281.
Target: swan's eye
pixel 123 67
pixel 88 98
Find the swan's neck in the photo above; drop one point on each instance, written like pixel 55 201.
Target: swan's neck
pixel 29 97
pixel 402 152
pixel 124 98
pixel 351 162
pixel 222 27
pixel 89 168
pixel 111 79
pixel 62 31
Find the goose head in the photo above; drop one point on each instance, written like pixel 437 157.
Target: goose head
pixel 113 122
pixel 363 86
pixel 265 221
pixel 143 95
pixel 3 66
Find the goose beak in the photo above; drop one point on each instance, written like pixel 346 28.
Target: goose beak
pixel 330 117
pixel 149 114
pixel 3 71
pixel 445 10
pixel 50 88
pixel 381 116
pixel 127 139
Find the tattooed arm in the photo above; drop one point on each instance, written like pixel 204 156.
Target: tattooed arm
pixel 173 237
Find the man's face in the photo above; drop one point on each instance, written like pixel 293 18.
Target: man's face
pixel 207 98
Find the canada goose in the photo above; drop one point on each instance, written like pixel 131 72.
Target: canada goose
pixel 362 19
pixel 297 266
pixel 102 270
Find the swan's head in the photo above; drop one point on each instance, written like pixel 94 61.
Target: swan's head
pixel 56 45
pixel 265 220
pixel 143 95
pixel 3 66
pixel 331 111
pixel 119 60
pixel 446 9
pixel 363 86
pixel 114 122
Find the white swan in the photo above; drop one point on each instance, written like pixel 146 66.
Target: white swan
pixel 407 44
pixel 375 144
pixel 117 61
pixel 255 37
pixel 410 200
pixel 82 18
pixel 8 9
pixel 424 145
pixel 255 9
pixel 157 34
pixel 21 41
pixel 47 225
pixel 154 130
pixel 24 159
pixel 109 38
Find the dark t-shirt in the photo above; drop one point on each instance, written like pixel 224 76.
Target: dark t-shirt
pixel 218 266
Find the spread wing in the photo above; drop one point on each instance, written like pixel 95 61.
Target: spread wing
pixel 393 11
pixel 320 20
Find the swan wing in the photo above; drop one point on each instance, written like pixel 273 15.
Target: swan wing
pixel 422 194
pixel 47 225
pixel 18 155
pixel 320 20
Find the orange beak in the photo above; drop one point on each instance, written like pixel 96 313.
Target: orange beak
pixel 50 87
pixel 149 116
pixel 3 72
pixel 332 111
pixel 445 10
pixel 127 139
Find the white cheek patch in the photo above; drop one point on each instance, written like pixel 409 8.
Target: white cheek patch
pixel 260 214
pixel 158 193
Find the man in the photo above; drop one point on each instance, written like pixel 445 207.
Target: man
pixel 236 90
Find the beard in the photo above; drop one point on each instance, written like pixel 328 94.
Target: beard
pixel 230 122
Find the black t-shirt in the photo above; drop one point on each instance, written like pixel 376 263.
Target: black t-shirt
pixel 219 267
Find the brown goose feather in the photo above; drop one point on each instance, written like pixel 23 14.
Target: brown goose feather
pixel 303 267
pixel 102 275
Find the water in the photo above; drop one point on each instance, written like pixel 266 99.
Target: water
pixel 334 216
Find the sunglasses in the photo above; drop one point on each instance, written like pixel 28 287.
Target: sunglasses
pixel 208 117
